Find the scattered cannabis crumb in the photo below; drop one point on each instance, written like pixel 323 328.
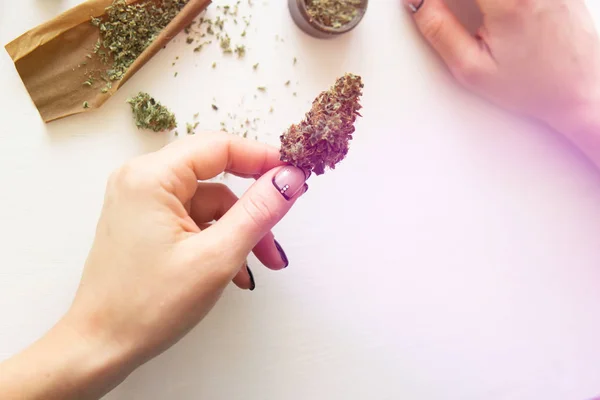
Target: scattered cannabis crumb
pixel 199 48
pixel 333 13
pixel 214 107
pixel 288 83
pixel 226 44
pixel 322 139
pixel 262 88
pixel 150 114
pixel 128 29
pixel 255 66
pixel 86 104
pixel 214 65
pixel 240 51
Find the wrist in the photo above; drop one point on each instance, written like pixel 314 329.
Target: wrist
pixel 78 363
pixel 96 364
pixel 64 364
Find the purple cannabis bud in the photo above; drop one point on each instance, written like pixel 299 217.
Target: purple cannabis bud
pixel 322 139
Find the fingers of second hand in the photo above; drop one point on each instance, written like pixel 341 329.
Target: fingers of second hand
pixel 443 30
pixel 414 5
pixel 467 57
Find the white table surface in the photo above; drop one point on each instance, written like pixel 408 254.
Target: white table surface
pixel 454 255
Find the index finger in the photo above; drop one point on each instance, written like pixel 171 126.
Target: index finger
pixel 206 155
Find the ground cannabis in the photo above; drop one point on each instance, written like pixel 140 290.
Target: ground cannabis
pixel 200 46
pixel 333 13
pixel 128 29
pixel 150 114
pixel 218 27
pixel 322 139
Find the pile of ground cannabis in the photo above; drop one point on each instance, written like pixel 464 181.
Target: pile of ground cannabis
pixel 150 114
pixel 322 139
pixel 333 13
pixel 128 29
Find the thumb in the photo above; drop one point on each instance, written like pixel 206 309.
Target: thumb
pixel 261 208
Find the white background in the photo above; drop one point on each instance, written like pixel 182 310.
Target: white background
pixel 454 255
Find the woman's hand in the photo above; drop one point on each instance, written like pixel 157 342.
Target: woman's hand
pixel 538 57
pixel 166 246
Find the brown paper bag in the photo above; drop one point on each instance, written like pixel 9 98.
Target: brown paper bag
pixel 49 58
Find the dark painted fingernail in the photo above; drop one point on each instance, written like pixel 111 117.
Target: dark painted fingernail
pixel 282 254
pixel 289 181
pixel 305 188
pixel 252 282
pixel 414 5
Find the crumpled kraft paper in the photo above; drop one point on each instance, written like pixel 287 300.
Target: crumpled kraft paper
pixel 49 58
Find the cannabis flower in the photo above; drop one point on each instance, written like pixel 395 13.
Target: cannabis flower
pixel 322 139
pixel 150 114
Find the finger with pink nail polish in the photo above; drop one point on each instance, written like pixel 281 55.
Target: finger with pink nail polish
pixel 290 181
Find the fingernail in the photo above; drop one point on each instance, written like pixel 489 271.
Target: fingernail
pixel 282 254
pixel 305 188
pixel 414 5
pixel 289 181
pixel 252 282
